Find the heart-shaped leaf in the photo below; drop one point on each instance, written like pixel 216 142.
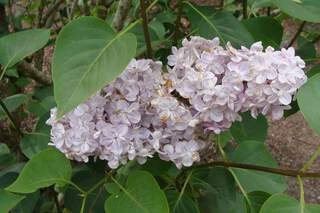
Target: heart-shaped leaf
pixel 307 10
pixel 17 46
pixel 88 55
pixel 280 203
pixel 309 101
pixel 265 29
pixel 181 203
pixel 254 152
pixel 218 191
pixel 33 143
pixel 141 194
pixel 9 200
pixel 209 24
pixel 250 128
pixel 12 103
pixel 257 198
pixel 44 169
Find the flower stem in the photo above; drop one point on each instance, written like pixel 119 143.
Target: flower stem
pixel 302 202
pixel 177 24
pixel 145 28
pixel 309 163
pixel 244 9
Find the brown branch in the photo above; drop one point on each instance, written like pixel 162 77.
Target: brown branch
pixel 32 72
pixel 40 14
pixel 178 20
pixel 145 28
pixel 10 16
pixel 73 8
pixel 279 171
pixel 51 11
pixel 297 34
pixel 121 14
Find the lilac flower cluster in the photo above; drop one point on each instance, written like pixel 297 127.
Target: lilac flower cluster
pixel 132 118
pixel 146 111
pixel 219 83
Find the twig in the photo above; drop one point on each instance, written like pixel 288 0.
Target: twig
pixel 6 110
pixel 279 171
pixel 55 197
pixel 297 34
pixel 121 14
pixel 73 8
pixel 269 11
pixel 150 6
pixel 244 9
pixel 221 4
pixel 10 16
pixel 178 20
pixel 309 163
pixel 145 28
pixel 40 14
pixel 86 9
pixel 51 11
pixel 32 72
pixel 83 204
pixel 302 202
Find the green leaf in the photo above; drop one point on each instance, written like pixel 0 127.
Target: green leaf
pixel 28 204
pixel 4 149
pixel 265 29
pixel 95 200
pixel 250 128
pixel 141 194
pixel 16 46
pixel 257 198
pixel 209 24
pixel 44 169
pixel 182 204
pixel 6 158
pixel 224 138
pixel 12 103
pixel 294 109
pixel 307 10
pixel 39 108
pixel 12 72
pixel 156 166
pixel 8 200
pixel 254 152
pixel 15 168
pixel 112 188
pixel 157 33
pixel 280 203
pixel 306 49
pixel 257 4
pixel 218 191
pixel 309 101
pixel 166 16
pixel 88 55
pixel 33 143
pixel 313 71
